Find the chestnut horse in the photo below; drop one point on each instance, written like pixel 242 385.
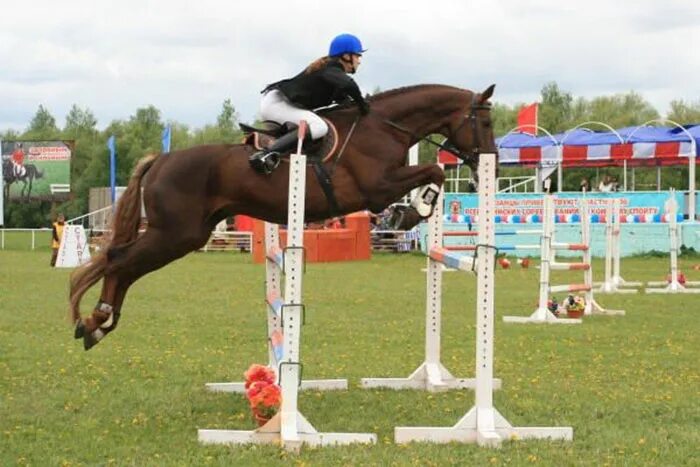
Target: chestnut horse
pixel 186 193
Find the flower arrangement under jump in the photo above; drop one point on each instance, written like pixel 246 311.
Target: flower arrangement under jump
pixel 575 306
pixel 264 396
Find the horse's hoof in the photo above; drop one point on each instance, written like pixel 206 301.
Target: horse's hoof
pixel 79 330
pixel 89 341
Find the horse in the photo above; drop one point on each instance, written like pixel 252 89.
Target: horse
pixel 186 193
pixel 31 172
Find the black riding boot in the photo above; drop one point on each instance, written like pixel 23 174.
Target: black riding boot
pixel 267 160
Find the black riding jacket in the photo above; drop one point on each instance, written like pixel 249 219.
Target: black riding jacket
pixel 320 88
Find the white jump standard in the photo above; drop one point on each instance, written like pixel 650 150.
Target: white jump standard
pixel 548 263
pixel 431 375
pixel 614 283
pixel 483 424
pixel 673 286
pixel 274 268
pixel 289 427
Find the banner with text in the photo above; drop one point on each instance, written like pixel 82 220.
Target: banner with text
pixel 527 207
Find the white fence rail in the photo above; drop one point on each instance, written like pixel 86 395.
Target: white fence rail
pixel 382 240
pixel 29 236
pixel 395 240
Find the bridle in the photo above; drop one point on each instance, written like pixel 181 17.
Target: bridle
pixel 448 145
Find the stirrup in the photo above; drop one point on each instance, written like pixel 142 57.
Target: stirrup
pixel 264 163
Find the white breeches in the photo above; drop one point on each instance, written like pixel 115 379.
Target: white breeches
pixel 276 107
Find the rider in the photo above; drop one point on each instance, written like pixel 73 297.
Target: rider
pixel 322 83
pixel 18 161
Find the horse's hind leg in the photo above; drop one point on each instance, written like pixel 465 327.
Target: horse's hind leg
pixel 151 251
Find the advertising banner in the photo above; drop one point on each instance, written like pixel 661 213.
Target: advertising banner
pixel 527 207
pixel 38 170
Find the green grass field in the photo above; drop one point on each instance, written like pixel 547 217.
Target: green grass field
pixel 629 386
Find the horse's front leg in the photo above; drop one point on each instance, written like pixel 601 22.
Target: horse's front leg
pixel 400 182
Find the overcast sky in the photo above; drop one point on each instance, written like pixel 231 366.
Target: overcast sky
pixel 186 57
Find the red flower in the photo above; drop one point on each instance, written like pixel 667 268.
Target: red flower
pixel 266 402
pixel 263 395
pixel 255 388
pixel 258 372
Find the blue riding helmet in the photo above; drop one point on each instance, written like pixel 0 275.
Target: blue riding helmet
pixel 345 44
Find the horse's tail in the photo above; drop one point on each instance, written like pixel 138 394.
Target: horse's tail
pixel 125 228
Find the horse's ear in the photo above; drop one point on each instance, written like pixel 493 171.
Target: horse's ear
pixel 486 95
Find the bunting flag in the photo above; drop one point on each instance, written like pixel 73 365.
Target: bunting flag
pixel 527 119
pixel 165 139
pixel 111 145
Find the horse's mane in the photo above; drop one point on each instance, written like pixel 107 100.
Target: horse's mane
pixel 381 96
pixel 404 89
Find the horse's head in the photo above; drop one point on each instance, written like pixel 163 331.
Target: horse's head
pixel 471 132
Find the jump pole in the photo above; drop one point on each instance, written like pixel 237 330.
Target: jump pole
pixel 483 423
pixel 614 282
pixel 431 375
pixel 549 263
pixel 672 286
pixel 289 427
pixel 273 293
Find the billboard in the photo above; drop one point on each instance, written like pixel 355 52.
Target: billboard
pixel 38 170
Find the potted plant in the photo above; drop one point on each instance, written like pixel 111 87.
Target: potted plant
pixel 575 306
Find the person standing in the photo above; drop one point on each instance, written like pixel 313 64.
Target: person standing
pixel 56 235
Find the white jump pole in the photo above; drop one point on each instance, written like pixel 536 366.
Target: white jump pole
pixel 614 282
pixel 289 427
pixel 592 306
pixel 483 423
pixel 431 375
pixel 273 293
pixel 673 286
pixel 542 313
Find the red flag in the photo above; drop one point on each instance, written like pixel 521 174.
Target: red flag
pixel 527 119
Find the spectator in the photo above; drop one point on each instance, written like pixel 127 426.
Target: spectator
pixel 605 185
pixel 585 185
pixel 56 234
pixel 614 184
pixel 334 223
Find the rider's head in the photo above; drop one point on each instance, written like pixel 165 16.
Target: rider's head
pixel 348 49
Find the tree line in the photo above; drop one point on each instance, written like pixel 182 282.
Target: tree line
pixel 140 134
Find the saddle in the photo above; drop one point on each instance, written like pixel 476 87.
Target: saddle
pixel 320 150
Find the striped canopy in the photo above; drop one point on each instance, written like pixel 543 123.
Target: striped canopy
pixel 639 146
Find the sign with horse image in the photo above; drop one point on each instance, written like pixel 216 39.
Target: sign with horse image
pixel 38 170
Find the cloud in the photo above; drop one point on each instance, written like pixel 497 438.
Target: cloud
pixel 187 57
